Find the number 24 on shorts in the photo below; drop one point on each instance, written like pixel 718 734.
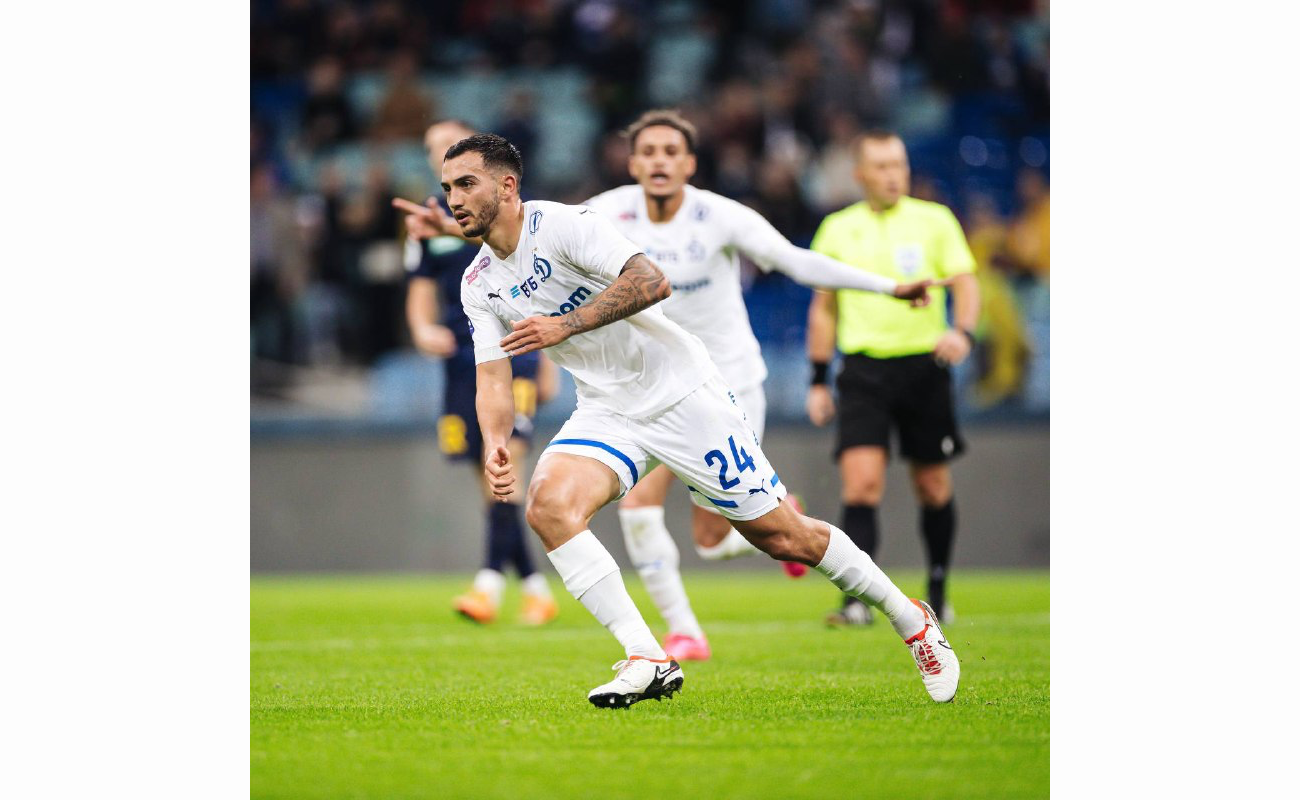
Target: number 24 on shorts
pixel 742 460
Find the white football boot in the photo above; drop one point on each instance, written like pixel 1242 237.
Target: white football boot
pixel 940 670
pixel 639 678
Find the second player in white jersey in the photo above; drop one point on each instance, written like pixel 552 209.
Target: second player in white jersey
pixel 698 249
pixel 697 237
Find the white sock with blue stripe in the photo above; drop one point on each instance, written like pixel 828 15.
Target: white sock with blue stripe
pixel 657 561
pixel 592 577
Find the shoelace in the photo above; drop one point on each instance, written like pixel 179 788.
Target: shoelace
pixel 620 666
pixel 925 658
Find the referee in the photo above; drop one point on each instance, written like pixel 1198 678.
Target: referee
pixel 896 358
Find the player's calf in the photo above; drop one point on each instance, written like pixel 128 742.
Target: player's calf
pixel 786 535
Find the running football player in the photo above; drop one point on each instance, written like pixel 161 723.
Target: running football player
pixel 562 277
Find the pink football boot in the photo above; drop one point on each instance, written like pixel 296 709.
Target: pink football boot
pixel 687 648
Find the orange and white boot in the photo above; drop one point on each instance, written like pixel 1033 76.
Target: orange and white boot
pixel 476 606
pixel 480 603
pixel 538 609
pixel 539 605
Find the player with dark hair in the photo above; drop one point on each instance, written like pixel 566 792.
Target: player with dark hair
pixel 562 277
pixel 696 238
pixel 440 329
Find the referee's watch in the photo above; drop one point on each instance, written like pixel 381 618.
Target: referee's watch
pixel 970 337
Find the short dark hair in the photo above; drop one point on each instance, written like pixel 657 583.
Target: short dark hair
pixel 669 117
pixel 497 151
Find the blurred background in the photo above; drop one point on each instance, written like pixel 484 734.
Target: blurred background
pixel 345 468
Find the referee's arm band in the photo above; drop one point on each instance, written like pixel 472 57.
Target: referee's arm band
pixel 821 369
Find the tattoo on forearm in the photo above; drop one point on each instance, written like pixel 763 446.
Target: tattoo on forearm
pixel 639 286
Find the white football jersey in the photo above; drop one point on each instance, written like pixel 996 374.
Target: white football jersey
pixel 637 366
pixel 697 249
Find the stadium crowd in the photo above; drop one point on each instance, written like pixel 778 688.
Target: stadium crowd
pixel 342 91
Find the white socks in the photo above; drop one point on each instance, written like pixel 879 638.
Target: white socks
pixel 536 585
pixel 491 583
pixel 592 577
pixel 854 572
pixel 731 546
pixel 655 556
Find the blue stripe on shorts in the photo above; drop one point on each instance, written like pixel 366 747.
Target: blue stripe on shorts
pixel 593 443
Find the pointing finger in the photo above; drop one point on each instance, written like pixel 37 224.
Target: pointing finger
pixel 409 207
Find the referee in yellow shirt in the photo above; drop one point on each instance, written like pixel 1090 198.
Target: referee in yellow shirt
pixel 896 358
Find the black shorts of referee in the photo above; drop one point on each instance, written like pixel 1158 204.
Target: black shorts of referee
pixel 909 394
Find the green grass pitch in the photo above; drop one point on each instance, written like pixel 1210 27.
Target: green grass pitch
pixel 371 688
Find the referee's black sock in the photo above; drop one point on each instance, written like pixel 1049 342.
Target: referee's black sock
pixel 859 522
pixel 938 528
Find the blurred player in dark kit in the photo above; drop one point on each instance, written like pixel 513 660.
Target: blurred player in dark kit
pixel 440 329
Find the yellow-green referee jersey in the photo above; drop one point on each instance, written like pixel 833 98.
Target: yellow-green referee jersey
pixel 912 241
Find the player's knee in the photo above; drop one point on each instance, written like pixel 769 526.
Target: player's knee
pixel 548 512
pixel 933 487
pixel 863 490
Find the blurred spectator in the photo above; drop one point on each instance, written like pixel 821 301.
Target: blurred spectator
pixel 779 200
pixel 327 116
pixel 953 52
pixel 778 89
pixel 610 46
pixel 278 269
pixel 1029 243
pixel 1003 344
pixel 519 123
pixel 832 183
pixel 405 111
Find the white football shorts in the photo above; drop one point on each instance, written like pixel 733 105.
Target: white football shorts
pixel 704 439
pixel 753 401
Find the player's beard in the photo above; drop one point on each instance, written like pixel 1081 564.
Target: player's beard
pixel 484 219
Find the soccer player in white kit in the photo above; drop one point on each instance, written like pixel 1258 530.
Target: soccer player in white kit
pixel 694 237
pixel 561 277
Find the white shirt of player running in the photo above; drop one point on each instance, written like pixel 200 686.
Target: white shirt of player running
pixel 697 249
pixel 636 366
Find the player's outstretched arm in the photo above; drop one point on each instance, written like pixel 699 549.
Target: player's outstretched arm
pixel 764 244
pixel 495 403
pixel 639 285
